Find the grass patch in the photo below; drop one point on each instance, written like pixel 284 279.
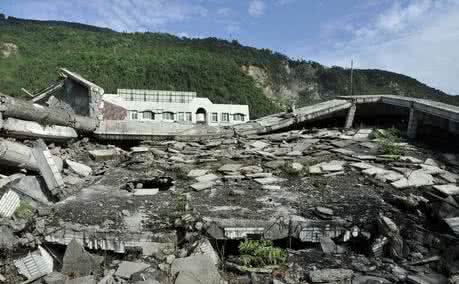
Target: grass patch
pixel 25 210
pixel 259 253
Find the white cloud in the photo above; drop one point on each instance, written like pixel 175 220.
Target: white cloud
pixel 256 8
pixel 419 39
pixel 120 15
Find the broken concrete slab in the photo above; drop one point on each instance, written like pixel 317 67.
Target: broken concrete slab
pixel 195 269
pixel 449 189
pixel 202 185
pixel 333 166
pixel 230 168
pixel 362 165
pixel 207 178
pixel 77 261
pixel 417 178
pixel 269 180
pixel 33 187
pixel 146 191
pixel 259 145
pixel 453 223
pixel 48 169
pixel 251 170
pixel 127 268
pixel 79 168
pixel 271 187
pixel 9 203
pixel 449 177
pixel 197 173
pixel 103 154
pixel 31 129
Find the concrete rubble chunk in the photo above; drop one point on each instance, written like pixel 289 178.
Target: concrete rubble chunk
pixel 251 170
pixel 271 187
pixel 146 191
pixel 316 169
pixel 35 264
pixel 333 166
pixel 362 165
pixel 197 173
pixel 449 177
pixel 416 178
pixel 268 180
pixel 202 185
pixel 9 203
pixel 25 129
pixel 33 187
pixel 7 238
pixel 230 168
pixel 140 149
pixel 82 280
pixel 77 261
pixel 207 178
pixel 449 189
pixel 453 223
pixel 127 268
pixel 48 169
pixel 103 154
pixel 10 179
pixel 259 145
pixel 195 269
pixel 431 162
pixel 54 278
pixel 296 167
pixel 330 275
pixel 78 168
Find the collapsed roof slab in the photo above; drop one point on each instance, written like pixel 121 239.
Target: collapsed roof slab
pixel 284 120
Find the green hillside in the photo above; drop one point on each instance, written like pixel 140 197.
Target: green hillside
pixel 32 51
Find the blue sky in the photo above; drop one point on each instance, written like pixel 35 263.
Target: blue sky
pixel 419 38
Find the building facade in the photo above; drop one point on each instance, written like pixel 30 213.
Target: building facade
pixel 170 106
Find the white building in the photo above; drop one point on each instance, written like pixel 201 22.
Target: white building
pixel 171 106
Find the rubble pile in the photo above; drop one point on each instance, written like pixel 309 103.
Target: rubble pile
pixel 319 206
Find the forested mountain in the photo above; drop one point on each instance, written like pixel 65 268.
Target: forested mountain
pixel 226 72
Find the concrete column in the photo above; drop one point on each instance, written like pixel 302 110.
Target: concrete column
pixel 453 127
pixel 412 124
pixel 350 116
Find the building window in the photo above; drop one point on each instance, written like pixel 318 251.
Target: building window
pixel 168 116
pixel 225 116
pixel 133 115
pixel 238 117
pixel 181 116
pixel 148 115
pixel 214 117
pixel 188 116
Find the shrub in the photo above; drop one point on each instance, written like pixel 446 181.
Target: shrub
pixel 256 253
pixel 25 210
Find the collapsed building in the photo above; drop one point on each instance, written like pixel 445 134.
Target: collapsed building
pixel 313 195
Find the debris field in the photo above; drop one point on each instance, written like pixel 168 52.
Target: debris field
pixel 303 206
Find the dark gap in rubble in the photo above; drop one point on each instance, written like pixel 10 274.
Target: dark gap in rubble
pixel 161 183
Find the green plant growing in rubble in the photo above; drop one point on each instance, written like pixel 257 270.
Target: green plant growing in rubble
pixel 180 202
pixel 257 253
pixel 25 210
pixel 389 141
